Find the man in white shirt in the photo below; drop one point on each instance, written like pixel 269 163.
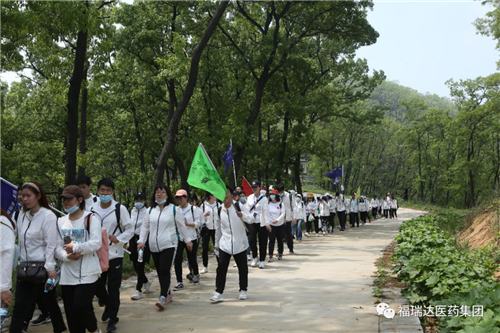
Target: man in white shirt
pixel 85 183
pixel 257 204
pixel 287 201
pixel 116 220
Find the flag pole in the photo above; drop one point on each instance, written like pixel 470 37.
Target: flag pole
pixel 234 166
pixel 206 154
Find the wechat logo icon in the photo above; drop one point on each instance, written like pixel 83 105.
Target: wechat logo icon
pixel 385 310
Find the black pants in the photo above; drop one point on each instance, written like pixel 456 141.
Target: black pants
pixel 374 212
pixel 288 235
pixel 316 224
pixel 392 212
pixel 354 218
pixel 363 216
pixel 191 256
pixel 324 222
pixel 386 213
pixel 205 239
pixel 342 219
pixel 263 235
pixel 78 306
pixel 111 297
pixel 163 263
pixel 26 297
pixel 41 307
pixel 241 262
pixel 276 232
pixel 308 224
pixel 139 266
pixel 253 231
pixel 331 221
pixel 395 212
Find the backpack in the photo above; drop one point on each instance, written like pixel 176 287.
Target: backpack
pixel 103 251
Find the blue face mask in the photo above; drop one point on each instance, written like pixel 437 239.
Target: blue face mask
pixel 105 198
pixel 272 196
pixel 298 199
pixel 71 210
pixel 281 195
pixel 243 200
pixel 161 202
pixel 19 204
pixel 138 205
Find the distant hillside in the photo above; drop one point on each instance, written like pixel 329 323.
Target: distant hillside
pixel 391 93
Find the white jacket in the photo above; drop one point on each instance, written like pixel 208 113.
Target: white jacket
pixel 7 252
pixel 137 217
pixel 394 204
pixel 212 220
pixel 299 211
pixel 313 208
pixel 364 206
pixel 276 212
pixel 287 204
pixel 38 238
pixel 261 210
pixel 324 209
pixel 386 204
pixel 109 223
pixel 161 227
pixel 90 202
pixel 87 269
pixel 194 215
pixel 341 203
pixel 230 235
pixel 374 203
pixel 333 206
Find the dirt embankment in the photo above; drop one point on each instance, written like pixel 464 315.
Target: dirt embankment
pixel 482 229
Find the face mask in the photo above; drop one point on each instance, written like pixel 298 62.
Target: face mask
pixel 161 202
pixel 138 205
pixel 106 198
pixel 282 194
pixel 71 210
pixel 297 199
pixel 19 204
pixel 243 200
pixel 272 196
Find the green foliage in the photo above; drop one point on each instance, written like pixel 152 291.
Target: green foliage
pixel 438 273
pixel 430 263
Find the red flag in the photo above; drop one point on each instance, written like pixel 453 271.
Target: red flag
pixel 246 186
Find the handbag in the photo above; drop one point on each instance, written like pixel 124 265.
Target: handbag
pixel 32 271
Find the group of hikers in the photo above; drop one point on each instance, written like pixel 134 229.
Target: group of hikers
pixel 84 249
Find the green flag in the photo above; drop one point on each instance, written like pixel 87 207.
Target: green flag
pixel 203 175
pixel 358 193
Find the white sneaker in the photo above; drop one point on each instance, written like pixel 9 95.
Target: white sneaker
pixel 234 265
pixel 243 295
pixel 269 259
pixel 136 295
pixel 216 298
pixel 306 234
pixel 255 261
pixel 147 286
pixel 262 265
pixel 249 257
pixel 317 235
pixel 204 270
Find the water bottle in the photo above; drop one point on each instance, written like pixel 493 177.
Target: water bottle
pixel 140 258
pixel 51 283
pixel 3 314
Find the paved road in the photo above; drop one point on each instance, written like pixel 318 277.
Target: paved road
pixel 324 287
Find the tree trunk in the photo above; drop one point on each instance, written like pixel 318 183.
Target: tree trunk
pixel 75 84
pixel 182 170
pixel 139 139
pixel 174 121
pixel 83 119
pixel 296 164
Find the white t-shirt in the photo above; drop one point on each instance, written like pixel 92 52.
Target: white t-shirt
pixel 276 212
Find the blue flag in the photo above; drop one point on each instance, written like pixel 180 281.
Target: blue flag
pixel 228 156
pixel 9 196
pixel 336 173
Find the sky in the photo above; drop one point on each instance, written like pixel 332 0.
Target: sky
pixel 424 44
